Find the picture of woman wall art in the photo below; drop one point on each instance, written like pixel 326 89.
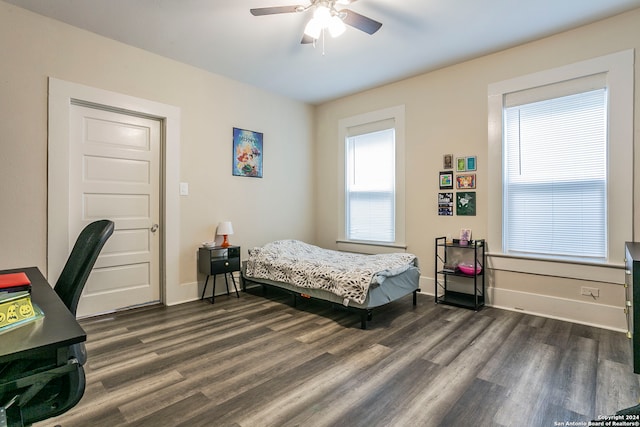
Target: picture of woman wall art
pixel 247 153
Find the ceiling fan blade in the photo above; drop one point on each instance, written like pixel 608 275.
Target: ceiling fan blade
pixel 360 22
pixel 273 10
pixel 306 39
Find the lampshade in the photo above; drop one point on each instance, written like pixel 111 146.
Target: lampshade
pixel 336 26
pixel 224 228
pixel 313 29
pixel 322 15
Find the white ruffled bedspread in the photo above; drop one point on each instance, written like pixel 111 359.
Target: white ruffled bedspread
pixel 345 274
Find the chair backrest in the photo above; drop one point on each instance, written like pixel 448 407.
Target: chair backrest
pixel 80 262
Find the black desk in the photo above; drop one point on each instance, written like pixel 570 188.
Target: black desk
pixel 49 337
pixel 39 355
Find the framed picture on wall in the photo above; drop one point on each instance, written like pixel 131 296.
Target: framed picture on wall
pixel 466 203
pixel 461 164
pixel 247 153
pixel 471 163
pixel 447 161
pixel 465 180
pixel 446 180
pixel 445 204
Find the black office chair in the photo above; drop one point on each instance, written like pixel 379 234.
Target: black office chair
pixel 80 262
pixel 39 389
pixel 77 269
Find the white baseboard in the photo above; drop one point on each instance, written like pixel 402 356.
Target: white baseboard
pixel 581 312
pixel 191 291
pixel 186 292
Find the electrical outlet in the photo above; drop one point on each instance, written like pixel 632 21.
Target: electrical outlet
pixel 590 292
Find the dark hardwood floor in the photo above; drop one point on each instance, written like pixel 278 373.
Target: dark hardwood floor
pixel 258 361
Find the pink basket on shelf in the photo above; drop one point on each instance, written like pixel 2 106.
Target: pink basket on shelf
pixel 469 268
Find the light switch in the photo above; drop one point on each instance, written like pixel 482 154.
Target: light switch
pixel 184 188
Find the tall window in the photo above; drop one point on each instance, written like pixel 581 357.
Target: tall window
pixel 372 183
pixel 370 192
pixel 555 176
pixel 561 168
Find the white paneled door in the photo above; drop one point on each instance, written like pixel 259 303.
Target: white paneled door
pixel 114 164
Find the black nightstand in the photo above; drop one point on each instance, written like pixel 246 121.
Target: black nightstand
pixel 219 260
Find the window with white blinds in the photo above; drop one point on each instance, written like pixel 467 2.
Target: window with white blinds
pixel 555 171
pixel 370 183
pixel 371 179
pixel 560 169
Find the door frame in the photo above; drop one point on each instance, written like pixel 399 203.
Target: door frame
pixel 61 95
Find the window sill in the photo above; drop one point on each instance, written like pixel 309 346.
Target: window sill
pixel 370 247
pixel 606 273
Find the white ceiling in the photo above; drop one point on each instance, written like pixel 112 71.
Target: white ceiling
pixel 265 51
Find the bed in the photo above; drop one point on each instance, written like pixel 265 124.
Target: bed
pixel 356 281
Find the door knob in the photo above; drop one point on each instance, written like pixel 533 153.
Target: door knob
pixel 154 228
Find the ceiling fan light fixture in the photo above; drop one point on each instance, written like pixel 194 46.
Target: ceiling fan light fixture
pixel 336 26
pixel 325 17
pixel 313 29
pixel 322 15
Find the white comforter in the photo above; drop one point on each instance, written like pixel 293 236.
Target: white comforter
pixel 342 273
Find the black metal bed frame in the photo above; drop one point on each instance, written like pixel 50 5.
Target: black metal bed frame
pixel 366 314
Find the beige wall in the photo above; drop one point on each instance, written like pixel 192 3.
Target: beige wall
pixel 446 112
pixel 33 48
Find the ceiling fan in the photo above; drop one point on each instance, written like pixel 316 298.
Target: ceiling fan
pixel 326 16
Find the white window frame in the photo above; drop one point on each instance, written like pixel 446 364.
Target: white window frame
pixel 618 68
pixel 397 114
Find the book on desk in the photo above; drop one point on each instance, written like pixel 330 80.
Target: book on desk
pixel 16 307
pixel 14 282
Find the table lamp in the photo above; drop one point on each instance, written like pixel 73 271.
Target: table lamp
pixel 224 229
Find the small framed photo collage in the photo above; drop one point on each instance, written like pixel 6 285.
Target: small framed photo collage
pixel 458 173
